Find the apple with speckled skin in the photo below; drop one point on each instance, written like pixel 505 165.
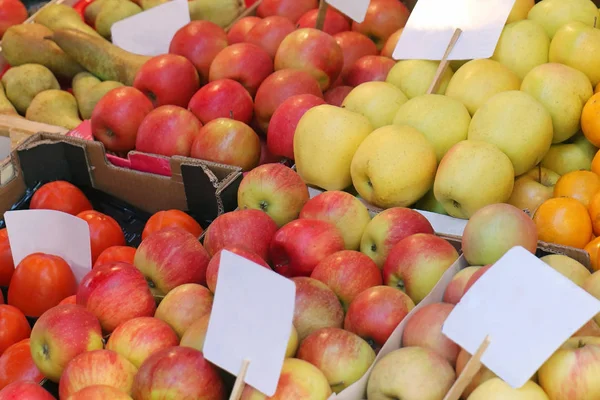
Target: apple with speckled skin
pixel 223 98
pixel 270 32
pixel 212 271
pixel 335 22
pixel 369 69
pixel 354 46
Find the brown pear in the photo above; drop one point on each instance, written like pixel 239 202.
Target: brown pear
pixel 54 107
pixel 61 16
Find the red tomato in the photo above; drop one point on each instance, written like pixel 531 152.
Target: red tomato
pixel 13 326
pixel 61 196
pixel 116 254
pixel 69 300
pixel 6 261
pixel 104 232
pixel 169 219
pixel 39 283
pixel 16 364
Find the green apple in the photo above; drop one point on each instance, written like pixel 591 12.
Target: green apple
pixel 533 188
pixel 573 155
pixel 570 268
pixel 378 101
pixel 578 45
pixel 553 14
pixel 472 175
pixel 414 77
pixel 430 203
pixel 497 389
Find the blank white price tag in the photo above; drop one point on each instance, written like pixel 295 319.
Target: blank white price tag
pixel 355 9
pixel 50 232
pixel 528 310
pixel 251 319
pixel 4 147
pixel 433 22
pixel 149 33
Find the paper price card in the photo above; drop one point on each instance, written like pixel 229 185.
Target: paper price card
pixel 432 24
pixel 51 232
pixel 250 322
pixel 355 9
pixel 526 309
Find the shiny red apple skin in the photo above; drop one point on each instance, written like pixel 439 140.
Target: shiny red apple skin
pixel 21 390
pixel 270 32
pixel 223 98
pixel 291 9
pixel 336 96
pixel 237 32
pixel 12 12
pixel 316 307
pixel 354 45
pixel 369 69
pixel 212 271
pixel 384 17
pixel 335 22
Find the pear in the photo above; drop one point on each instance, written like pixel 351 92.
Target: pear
pixel 24 82
pixel 88 90
pixel 148 4
pixel 54 107
pixel 220 12
pixel 6 106
pixel 26 43
pixel 60 16
pixel 100 57
pixel 113 11
pixel 92 10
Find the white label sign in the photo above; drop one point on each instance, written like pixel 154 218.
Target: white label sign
pixel 527 308
pixel 50 232
pixel 149 33
pixel 433 22
pixel 4 147
pixel 355 9
pixel 251 319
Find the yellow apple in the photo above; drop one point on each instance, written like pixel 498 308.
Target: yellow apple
pixel 533 188
pixel 394 166
pixel 497 389
pixel 518 124
pixel 378 101
pixel 483 375
pixel 444 121
pixel 572 269
pixel 414 77
pixel 578 45
pixel 292 346
pixel 575 154
pixel 478 80
pixel 522 46
pixel 520 10
pixel 592 286
pixel 472 175
pixel 553 14
pixel 456 64
pixel 325 141
pixel 430 203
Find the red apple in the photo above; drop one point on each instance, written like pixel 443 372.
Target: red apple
pixel 270 32
pixel 60 334
pixel 169 131
pixel 280 134
pixel 99 392
pixel 223 98
pixel 12 12
pixel 376 312
pixel 250 229
pixel 212 271
pixel 227 141
pixel 335 22
pixel 139 338
pixel 168 79
pixel 199 42
pixel 336 96
pixel 182 372
pixel 103 289
pixel 69 300
pixel 97 367
pixel 456 288
pixel 416 264
pixel 171 257
pixel 369 69
pixel 390 44
pixel 299 246
pixel 291 9
pixel 347 273
pixel 424 329
pixel 184 305
pixel 246 63
pixel 277 88
pixel 384 17
pixel 313 51
pixel 354 45
pixel 316 307
pixel 117 117
pixel 237 32
pixel 28 390
pixel 476 275
pixel 266 157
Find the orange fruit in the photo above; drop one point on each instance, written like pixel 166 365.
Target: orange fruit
pixel 594 210
pixel 579 185
pixel 593 248
pixel 590 120
pixel 563 221
pixel 596 163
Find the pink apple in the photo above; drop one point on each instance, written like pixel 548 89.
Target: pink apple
pixel 369 69
pixel 182 372
pixel 246 63
pixel 184 305
pixel 354 45
pixel 335 22
pixel 195 335
pixel 299 246
pixel 390 44
pixel 24 390
pixel 456 288
pixel 388 228
pixel 384 17
pixel 250 229
pixel 171 257
pixel 224 98
pixel 97 367
pixel 270 32
pixel 336 96
pixel 279 87
pixel 168 131
pixel 291 9
pixel 313 51
pixel 237 32
pixel 416 264
pixel 347 273
pixel 100 392
pixel 139 338
pixel 227 141
pixel 280 135
pixel 103 289
pixel 316 307
pixel 60 334
pixel 212 272
pixel 376 312
pixel 424 329
pixel 476 275
pixel 168 79
pixel 199 42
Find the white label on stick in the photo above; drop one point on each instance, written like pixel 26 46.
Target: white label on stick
pixel 355 9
